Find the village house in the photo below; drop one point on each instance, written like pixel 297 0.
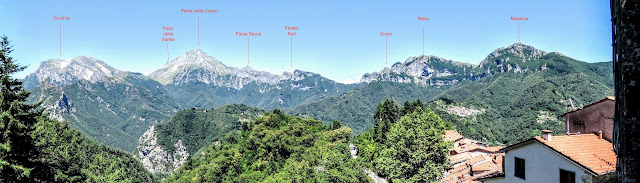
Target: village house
pixel 569 158
pixel 471 159
pixel 593 118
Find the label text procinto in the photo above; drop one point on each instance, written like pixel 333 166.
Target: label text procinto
pixel 198 11
pixel 519 18
pixel 385 34
pixel 60 18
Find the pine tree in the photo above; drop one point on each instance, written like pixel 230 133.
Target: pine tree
pixel 409 107
pixel 336 124
pixel 387 113
pixel 17 121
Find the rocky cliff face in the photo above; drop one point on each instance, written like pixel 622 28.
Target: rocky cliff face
pixel 425 70
pixel 157 160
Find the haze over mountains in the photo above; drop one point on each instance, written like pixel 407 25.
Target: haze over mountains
pixel 117 107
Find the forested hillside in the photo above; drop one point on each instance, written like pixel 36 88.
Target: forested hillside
pixel 515 106
pixel 354 109
pixel 34 148
pixel 200 127
pixel 113 111
pixel 166 146
pixel 513 100
pixel 276 148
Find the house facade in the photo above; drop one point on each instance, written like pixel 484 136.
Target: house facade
pixel 570 158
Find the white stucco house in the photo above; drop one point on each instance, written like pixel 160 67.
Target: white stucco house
pixel 569 158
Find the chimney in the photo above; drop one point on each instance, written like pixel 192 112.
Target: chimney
pixel 546 135
pixel 599 134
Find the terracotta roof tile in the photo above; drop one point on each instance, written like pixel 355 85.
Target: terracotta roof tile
pixel 477 159
pixel 486 166
pixel 453 176
pixel 587 150
pixel 493 149
pixel 459 168
pixel 460 157
pixel 452 135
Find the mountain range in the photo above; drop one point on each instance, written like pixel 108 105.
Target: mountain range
pixel 511 95
pixel 117 107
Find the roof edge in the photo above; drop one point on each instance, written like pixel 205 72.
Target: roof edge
pixel 531 140
pixel 593 103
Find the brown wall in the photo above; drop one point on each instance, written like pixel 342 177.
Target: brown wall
pixel 594 118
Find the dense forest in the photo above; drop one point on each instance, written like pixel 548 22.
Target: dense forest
pixel 276 148
pixel 513 106
pixel 406 144
pixel 34 148
pixel 197 128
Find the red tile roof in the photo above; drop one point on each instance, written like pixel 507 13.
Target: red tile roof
pixel 587 150
pixel 486 166
pixel 477 159
pixel 459 157
pixel 452 135
pixel 492 149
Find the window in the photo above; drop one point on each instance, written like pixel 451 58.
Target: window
pixel 519 167
pixel 567 176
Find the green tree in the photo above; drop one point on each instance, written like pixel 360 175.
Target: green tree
pixel 17 119
pixel 336 124
pixel 34 148
pixel 276 148
pixel 416 151
pixel 387 113
pixel 410 107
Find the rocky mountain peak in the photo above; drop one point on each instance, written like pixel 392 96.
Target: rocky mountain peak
pixel 518 51
pixel 297 75
pixel 194 60
pixel 420 69
pixel 64 72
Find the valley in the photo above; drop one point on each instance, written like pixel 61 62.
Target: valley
pixel 195 102
pixel 287 91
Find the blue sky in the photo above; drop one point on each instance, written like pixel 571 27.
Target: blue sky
pixel 338 39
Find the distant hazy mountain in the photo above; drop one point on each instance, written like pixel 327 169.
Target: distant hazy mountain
pixel 196 79
pixel 517 89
